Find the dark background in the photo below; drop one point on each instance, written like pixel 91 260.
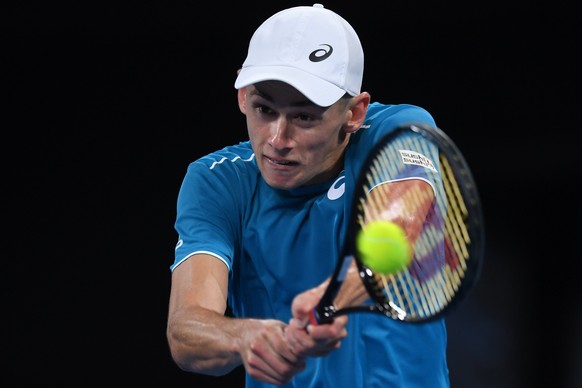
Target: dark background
pixel 108 103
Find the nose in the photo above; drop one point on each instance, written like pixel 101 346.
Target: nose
pixel 280 135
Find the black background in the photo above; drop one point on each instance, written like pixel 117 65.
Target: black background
pixel 108 103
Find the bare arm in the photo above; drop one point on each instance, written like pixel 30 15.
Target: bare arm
pixel 203 340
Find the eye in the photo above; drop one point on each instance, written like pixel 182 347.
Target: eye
pixel 264 109
pixel 305 117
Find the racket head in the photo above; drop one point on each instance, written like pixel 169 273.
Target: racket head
pixel 448 255
pixel 449 249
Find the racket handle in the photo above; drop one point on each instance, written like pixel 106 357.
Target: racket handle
pixel 313 317
pixel 318 318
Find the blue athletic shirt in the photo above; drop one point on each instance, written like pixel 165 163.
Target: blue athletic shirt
pixel 279 243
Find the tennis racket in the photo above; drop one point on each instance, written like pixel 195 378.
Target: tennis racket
pixel 417 177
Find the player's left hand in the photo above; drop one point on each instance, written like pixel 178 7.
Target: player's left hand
pixel 307 340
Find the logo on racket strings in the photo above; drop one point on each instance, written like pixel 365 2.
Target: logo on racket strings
pixel 412 157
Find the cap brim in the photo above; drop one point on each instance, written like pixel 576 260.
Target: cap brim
pixel 320 92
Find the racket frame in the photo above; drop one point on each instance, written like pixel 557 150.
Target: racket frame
pixel 325 311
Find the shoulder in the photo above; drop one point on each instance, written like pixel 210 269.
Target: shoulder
pixel 384 118
pixel 235 156
pixel 394 115
pixel 231 162
pixel 228 171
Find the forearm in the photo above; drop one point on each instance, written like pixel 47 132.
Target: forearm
pixel 204 341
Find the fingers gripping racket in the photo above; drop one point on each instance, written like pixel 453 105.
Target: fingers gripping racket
pixel 417 177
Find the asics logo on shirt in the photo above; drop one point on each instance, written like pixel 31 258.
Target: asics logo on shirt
pixel 320 54
pixel 337 189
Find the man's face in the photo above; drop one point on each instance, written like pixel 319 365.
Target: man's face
pixel 296 142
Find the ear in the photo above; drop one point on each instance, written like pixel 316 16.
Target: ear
pixel 242 100
pixel 357 109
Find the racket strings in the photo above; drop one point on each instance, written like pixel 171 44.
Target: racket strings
pixel 456 211
pixel 402 291
pixel 456 229
pixel 440 254
pixel 441 287
pixel 368 209
pixel 382 170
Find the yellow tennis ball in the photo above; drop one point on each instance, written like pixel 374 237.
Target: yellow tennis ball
pixel 383 247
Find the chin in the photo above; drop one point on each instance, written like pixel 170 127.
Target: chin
pixel 281 184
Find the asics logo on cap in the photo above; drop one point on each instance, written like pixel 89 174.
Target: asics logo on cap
pixel 317 56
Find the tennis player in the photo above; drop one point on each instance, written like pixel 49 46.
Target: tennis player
pixel 261 223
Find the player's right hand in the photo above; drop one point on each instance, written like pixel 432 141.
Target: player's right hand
pixel 266 354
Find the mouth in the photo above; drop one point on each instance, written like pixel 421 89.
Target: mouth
pixel 280 162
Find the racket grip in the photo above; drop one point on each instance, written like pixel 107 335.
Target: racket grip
pixel 313 317
pixel 318 318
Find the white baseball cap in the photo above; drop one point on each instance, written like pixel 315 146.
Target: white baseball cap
pixel 312 49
